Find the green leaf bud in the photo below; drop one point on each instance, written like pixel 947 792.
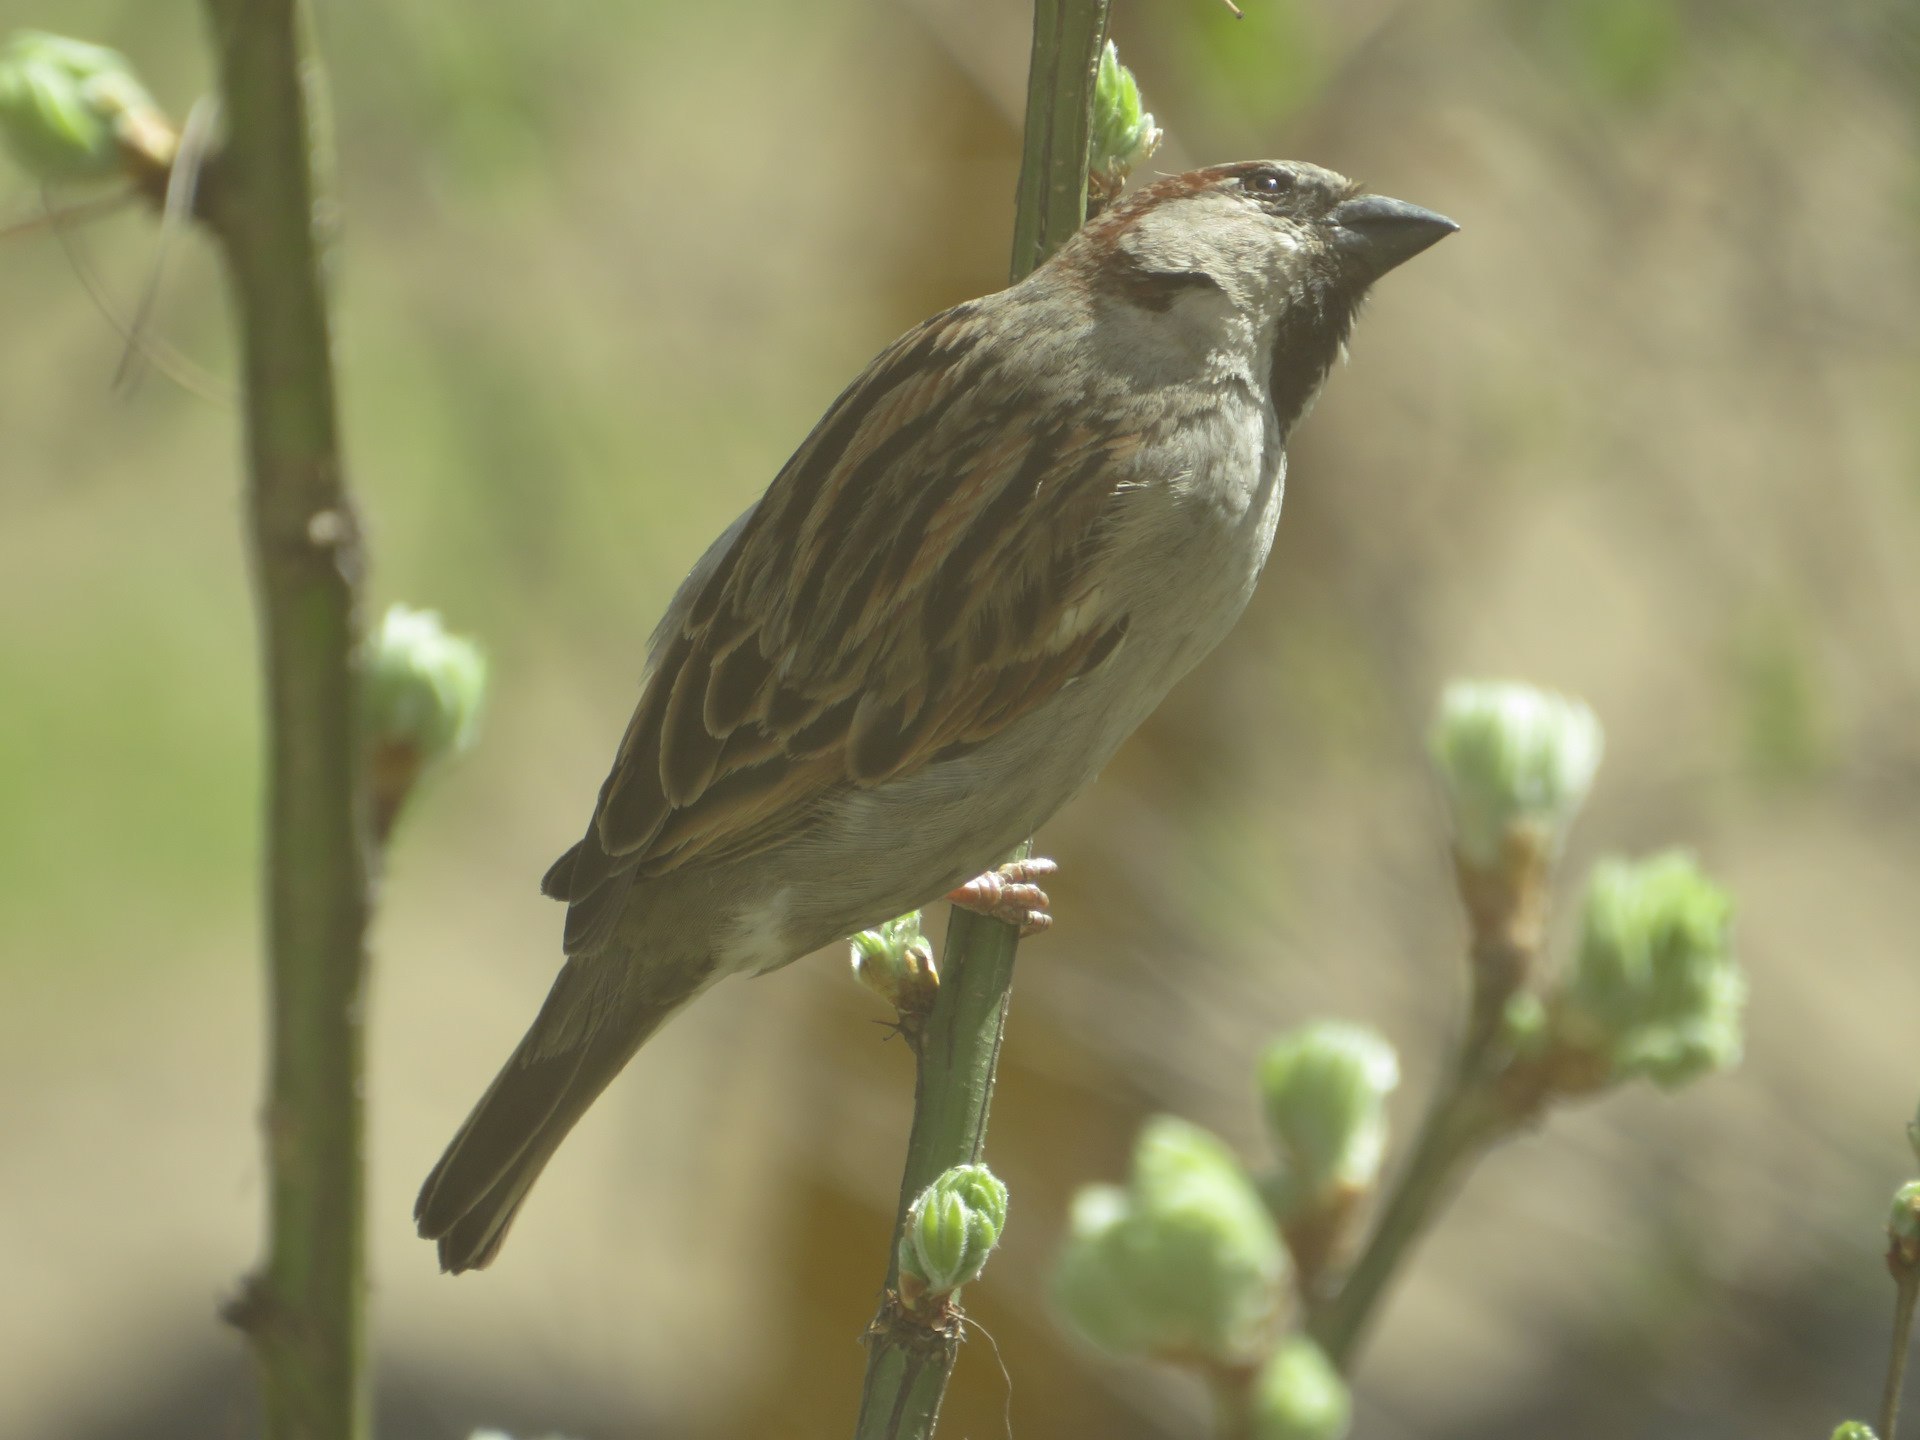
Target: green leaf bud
pixel 1326 1086
pixel 952 1226
pixel 66 106
pixel 1903 1225
pixel 1298 1395
pixel 1853 1430
pixel 1654 989
pixel 1516 764
pixel 1183 1264
pixel 1124 135
pixel 422 694
pixel 895 961
pixel 424 687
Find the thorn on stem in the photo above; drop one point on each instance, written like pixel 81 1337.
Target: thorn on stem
pixel 250 1311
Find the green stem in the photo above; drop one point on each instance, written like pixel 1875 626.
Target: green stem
pixel 958 1054
pixel 1052 197
pixel 1455 1130
pixel 958 1051
pixel 304 1309
pixel 1907 1278
pixel 1462 1122
pixel 1507 910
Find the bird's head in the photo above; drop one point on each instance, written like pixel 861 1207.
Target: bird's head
pixel 1287 248
pixel 1261 229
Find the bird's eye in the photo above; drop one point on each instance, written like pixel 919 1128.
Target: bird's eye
pixel 1267 183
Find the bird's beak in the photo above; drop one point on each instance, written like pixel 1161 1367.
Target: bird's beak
pixel 1375 233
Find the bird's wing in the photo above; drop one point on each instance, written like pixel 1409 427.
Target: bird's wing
pixel 920 574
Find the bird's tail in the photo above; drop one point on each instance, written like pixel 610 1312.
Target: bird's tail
pixel 556 1072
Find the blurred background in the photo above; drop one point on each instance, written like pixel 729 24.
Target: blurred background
pixel 1647 430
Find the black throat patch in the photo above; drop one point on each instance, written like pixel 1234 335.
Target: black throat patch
pixel 1305 344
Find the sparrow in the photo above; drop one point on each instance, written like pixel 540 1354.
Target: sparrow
pixel 983 569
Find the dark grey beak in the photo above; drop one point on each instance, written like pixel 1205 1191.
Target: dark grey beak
pixel 1376 233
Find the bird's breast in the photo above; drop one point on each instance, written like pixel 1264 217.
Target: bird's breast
pixel 1195 544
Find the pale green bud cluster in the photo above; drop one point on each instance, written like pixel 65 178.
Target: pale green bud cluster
pixel 424 687
pixel 1187 1264
pixel 1124 135
pixel 895 961
pixel 952 1226
pixel 1654 988
pixel 1298 1395
pixel 1853 1430
pixel 1184 1263
pixel 65 106
pixel 1516 764
pixel 1326 1086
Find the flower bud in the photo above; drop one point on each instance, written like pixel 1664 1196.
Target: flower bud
pixel 67 108
pixel 952 1226
pixel 1124 135
pixel 1853 1430
pixel 1326 1087
pixel 1516 764
pixel 423 690
pixel 1654 990
pixel 895 961
pixel 1183 1264
pixel 1903 1225
pixel 1298 1395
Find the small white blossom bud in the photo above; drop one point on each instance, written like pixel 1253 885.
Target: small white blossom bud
pixel 1654 988
pixel 1326 1086
pixel 1298 1395
pixel 1183 1264
pixel 421 701
pixel 1516 763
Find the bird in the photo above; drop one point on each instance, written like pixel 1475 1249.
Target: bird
pixel 992 557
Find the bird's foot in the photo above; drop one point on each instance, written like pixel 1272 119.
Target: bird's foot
pixel 1010 895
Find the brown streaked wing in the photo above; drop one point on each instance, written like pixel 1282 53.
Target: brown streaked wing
pixel 918 576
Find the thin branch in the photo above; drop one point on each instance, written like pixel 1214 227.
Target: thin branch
pixel 1908 1279
pixel 1453 1133
pixel 958 1052
pixel 304 1310
pixel 1507 914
